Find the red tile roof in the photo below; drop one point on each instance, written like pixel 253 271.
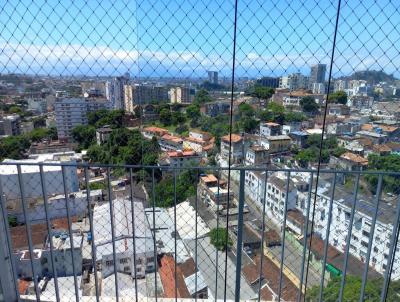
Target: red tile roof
pixel 235 138
pixel 167 275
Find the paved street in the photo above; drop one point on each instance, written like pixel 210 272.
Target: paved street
pixel 292 256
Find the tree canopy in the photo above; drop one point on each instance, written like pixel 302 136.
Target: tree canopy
pixel 202 96
pixel 309 105
pixel 339 97
pixel 352 290
pixel 218 238
pixel 384 163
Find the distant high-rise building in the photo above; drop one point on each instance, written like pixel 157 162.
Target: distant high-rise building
pixel 128 98
pixel 72 112
pixel 269 82
pixel 317 74
pixel 10 125
pixel 213 77
pixel 180 95
pixel 340 85
pixel 294 81
pixel 115 91
pixel 318 88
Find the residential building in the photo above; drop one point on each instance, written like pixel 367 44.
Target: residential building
pixel 180 95
pixel 299 138
pixel 38 106
pixel 232 145
pixel 362 224
pixel 270 129
pixel 215 108
pixel 340 85
pixel 146 94
pixel 115 91
pixel 376 138
pixel 350 161
pixel 317 74
pixel 26 127
pixel 170 142
pixel 276 144
pixel 128 98
pixel 213 77
pixel 103 134
pixel 199 141
pixel 67 255
pixel 257 156
pixel 150 132
pixel 318 88
pixel 30 175
pixel 126 247
pixel 10 125
pixel 178 159
pixel 268 82
pixel 213 193
pixel 72 112
pixel 338 109
pixel 294 81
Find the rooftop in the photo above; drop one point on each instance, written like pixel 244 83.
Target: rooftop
pixel 236 138
pixel 354 158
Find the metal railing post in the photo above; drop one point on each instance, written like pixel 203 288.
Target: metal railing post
pixel 46 211
pixel 372 232
pixel 112 233
pixel 283 237
pixel 71 238
pixel 133 232
pixel 93 246
pixel 392 252
pixel 305 238
pixel 353 210
pixel 28 231
pixel 326 243
pixel 239 245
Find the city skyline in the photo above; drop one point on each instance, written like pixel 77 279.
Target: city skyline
pixel 171 40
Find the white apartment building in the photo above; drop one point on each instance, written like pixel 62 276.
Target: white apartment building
pixel 115 91
pixel 125 244
pixel 30 175
pixel 318 88
pixel 361 230
pixel 72 112
pixel 274 195
pixel 128 98
pixel 65 257
pixel 180 95
pixel 10 125
pixel 236 150
pixel 294 81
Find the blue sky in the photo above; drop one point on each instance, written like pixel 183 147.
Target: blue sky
pixel 187 38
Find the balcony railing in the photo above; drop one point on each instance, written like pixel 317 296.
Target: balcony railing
pixel 64 238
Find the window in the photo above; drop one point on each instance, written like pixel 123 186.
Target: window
pixel 127 269
pixel 138 269
pixel 109 262
pixel 139 261
pixel 150 259
pixel 365 233
pixel 123 260
pixel 364 244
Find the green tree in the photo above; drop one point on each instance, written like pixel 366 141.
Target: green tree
pixel 84 135
pixel 309 105
pixel 12 221
pixel 218 238
pixel 261 92
pixel 391 183
pixel 193 111
pixel 352 290
pixel 38 134
pixel 202 96
pixel 14 147
pixel 177 118
pixel 339 97
pixel 245 110
pixel 165 117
